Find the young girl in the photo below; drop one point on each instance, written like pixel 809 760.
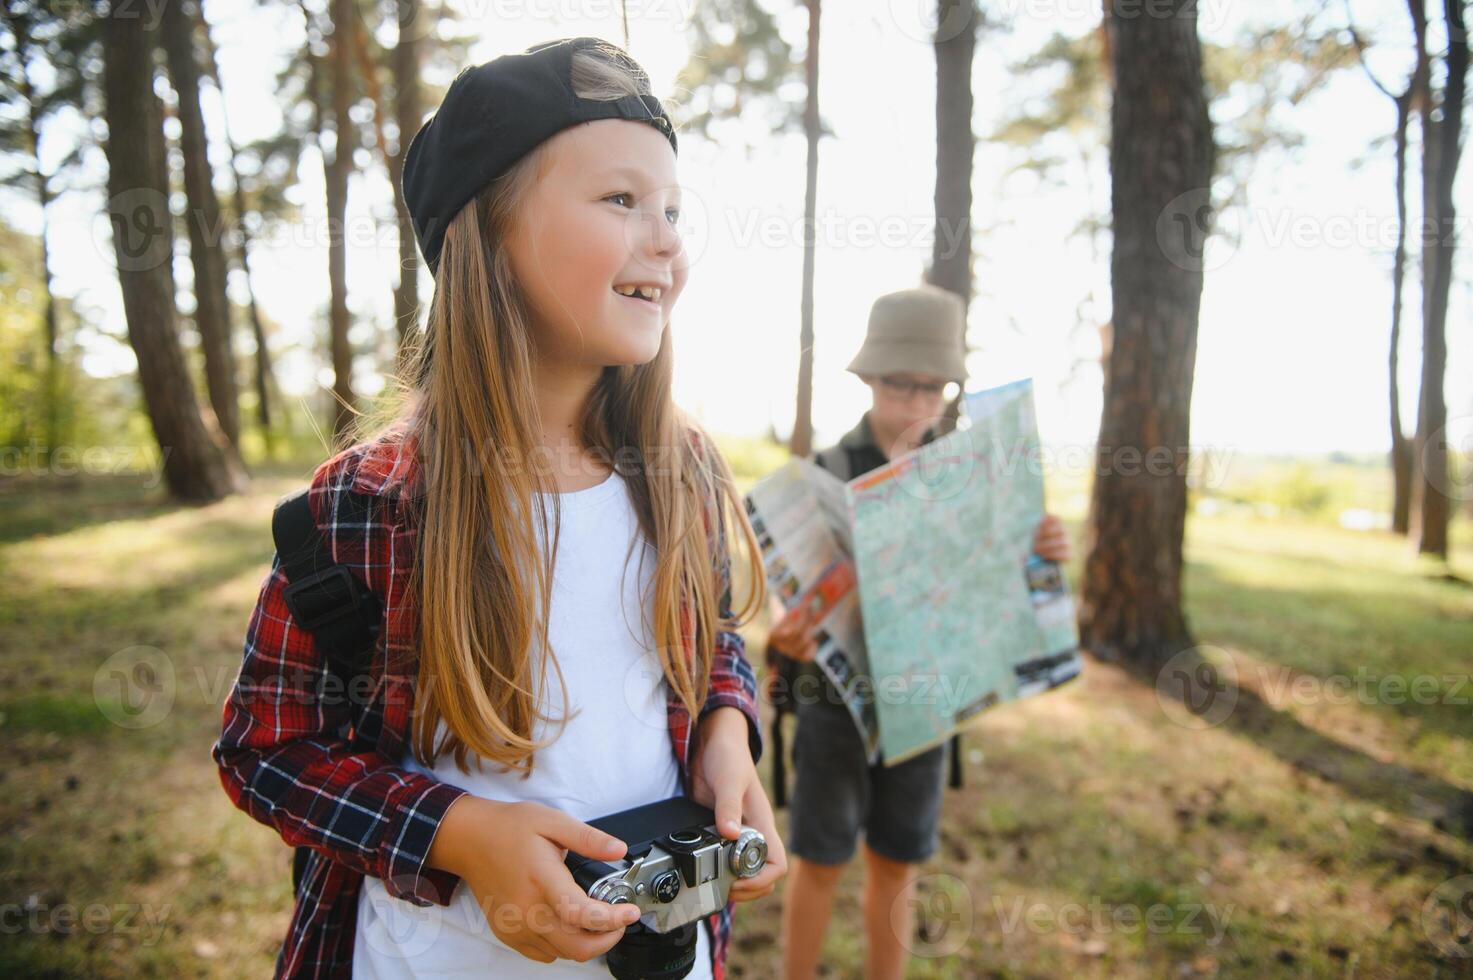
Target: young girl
pixel 537 502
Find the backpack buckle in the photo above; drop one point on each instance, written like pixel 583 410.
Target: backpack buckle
pixel 321 597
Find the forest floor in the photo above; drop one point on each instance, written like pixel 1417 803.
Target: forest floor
pixel 1318 825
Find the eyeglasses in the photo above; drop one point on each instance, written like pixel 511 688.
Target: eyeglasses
pixel 906 389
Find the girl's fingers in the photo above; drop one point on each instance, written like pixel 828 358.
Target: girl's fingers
pixel 568 832
pixel 532 946
pixel 572 907
pixel 600 917
pixel 576 944
pixel 757 813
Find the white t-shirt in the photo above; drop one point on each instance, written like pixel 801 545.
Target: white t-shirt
pixel 613 754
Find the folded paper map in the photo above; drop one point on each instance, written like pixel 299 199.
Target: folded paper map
pixel 931 606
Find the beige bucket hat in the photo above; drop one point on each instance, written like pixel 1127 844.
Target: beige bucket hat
pixel 921 330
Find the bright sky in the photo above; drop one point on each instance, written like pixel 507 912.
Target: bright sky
pixel 1292 347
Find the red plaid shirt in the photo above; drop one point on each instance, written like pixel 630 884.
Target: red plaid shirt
pixel 285 755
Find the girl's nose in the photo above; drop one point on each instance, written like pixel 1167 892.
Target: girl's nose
pixel 666 235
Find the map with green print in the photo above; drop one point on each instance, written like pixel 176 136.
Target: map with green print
pixel 958 614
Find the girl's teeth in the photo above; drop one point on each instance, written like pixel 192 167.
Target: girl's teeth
pixel 650 293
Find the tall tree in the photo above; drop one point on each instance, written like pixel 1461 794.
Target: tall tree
pixel 203 219
pixel 739 70
pixel 307 90
pixel 263 376
pixel 1441 150
pixel 954 42
pixel 1161 164
pixel 801 443
pixel 338 168
pixel 1253 85
pixel 41 38
pixel 1411 99
pixel 196 464
pixel 408 110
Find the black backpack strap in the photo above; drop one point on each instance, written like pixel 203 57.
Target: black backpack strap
pixel 956 760
pixel 779 763
pixel 327 600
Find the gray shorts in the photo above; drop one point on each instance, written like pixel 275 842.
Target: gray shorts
pixel 836 792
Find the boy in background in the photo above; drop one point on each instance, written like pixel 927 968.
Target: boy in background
pixel 913 349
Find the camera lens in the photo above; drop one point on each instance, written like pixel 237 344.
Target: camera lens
pixel 647 955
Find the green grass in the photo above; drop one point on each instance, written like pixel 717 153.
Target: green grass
pixel 1300 837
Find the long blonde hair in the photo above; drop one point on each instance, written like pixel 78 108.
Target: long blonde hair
pixel 482 583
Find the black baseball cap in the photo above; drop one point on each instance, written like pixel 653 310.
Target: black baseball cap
pixel 493 115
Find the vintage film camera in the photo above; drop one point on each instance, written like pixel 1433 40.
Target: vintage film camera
pixel 678 870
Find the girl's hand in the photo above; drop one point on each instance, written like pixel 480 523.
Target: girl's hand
pixel 724 778
pixel 795 635
pixel 1051 541
pixel 510 855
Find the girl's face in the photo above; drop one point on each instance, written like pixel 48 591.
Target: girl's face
pixel 600 219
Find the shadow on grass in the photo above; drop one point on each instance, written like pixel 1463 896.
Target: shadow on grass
pixel 1389 785
pixel 1390 639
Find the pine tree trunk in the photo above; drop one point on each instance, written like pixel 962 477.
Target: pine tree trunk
pixel 408 109
pixel 951 248
pixel 338 170
pixel 205 225
pixel 1401 448
pixel 801 443
pixel 264 381
pixel 1440 166
pixel 19 25
pixel 195 464
pixel 1161 160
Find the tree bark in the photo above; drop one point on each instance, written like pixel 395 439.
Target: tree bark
pixel 408 109
pixel 204 222
pixel 951 248
pixel 264 380
pixel 802 440
pixel 337 172
pixel 1440 159
pixel 1161 161
pixel 1401 446
pixel 20 31
pixel 195 464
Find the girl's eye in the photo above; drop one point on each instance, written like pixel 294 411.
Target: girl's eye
pixel 672 215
